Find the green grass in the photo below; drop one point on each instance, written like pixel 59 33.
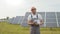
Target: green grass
pixel 6 28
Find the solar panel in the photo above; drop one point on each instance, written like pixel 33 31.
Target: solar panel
pixel 59 24
pixel 58 20
pixel 16 20
pixel 21 19
pixel 51 21
pixel 51 24
pixel 24 23
pixel 50 15
pixel 2 20
pixel 11 20
pixel 58 15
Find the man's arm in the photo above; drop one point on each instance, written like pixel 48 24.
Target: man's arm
pixel 30 22
pixel 41 19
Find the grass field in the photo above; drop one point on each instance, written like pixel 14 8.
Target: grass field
pixel 6 28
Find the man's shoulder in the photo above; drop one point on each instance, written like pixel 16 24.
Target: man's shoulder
pixel 39 16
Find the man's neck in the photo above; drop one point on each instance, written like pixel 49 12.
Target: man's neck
pixel 34 13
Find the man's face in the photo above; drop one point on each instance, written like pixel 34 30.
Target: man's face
pixel 33 10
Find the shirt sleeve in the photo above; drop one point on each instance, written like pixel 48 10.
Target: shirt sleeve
pixel 40 17
pixel 29 17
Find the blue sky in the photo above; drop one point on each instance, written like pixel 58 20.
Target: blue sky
pixel 14 8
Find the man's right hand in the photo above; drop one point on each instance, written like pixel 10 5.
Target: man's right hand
pixel 30 22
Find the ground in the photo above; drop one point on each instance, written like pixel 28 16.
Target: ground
pixel 7 28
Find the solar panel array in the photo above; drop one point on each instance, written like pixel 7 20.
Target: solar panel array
pixel 51 19
pixel 16 20
pixel 11 20
pixel 2 20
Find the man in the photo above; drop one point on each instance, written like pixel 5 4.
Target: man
pixel 35 20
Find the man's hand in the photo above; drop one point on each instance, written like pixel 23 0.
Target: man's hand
pixel 30 22
pixel 41 22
